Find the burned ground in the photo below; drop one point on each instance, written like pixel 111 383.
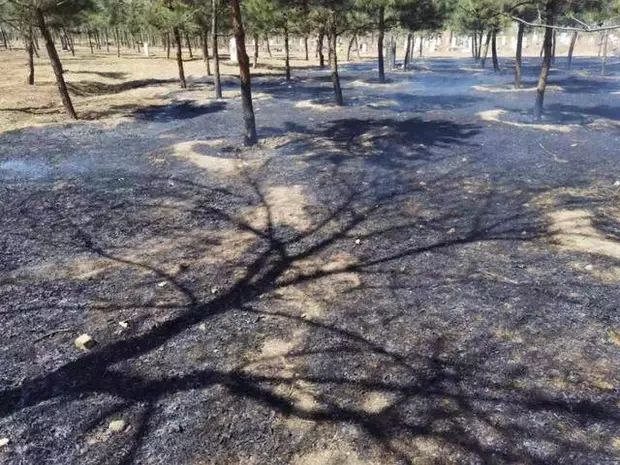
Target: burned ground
pixel 404 280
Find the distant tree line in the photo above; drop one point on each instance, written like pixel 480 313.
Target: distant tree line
pixel 112 25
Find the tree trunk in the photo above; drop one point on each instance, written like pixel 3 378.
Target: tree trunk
pixel 90 42
pixel 571 49
pixel 56 65
pixel 4 40
pixel 217 81
pixel 177 39
pixel 407 52
pixel 349 47
pixel 256 49
pixel 287 58
pixel 519 54
pixel 483 62
pixel 421 41
pixel 604 57
pixel 479 43
pixel 380 38
pixel 118 44
pixel 333 62
pixel 319 49
pixel 107 40
pixel 205 50
pixel 268 46
pixel 553 42
pixel 167 45
pixel 30 50
pixel 307 56
pixel 357 48
pixel 392 52
pixel 494 51
pixel 189 45
pixel 546 63
pixel 71 43
pixel 250 137
pixel 473 45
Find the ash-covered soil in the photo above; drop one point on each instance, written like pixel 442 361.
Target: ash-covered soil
pixel 424 276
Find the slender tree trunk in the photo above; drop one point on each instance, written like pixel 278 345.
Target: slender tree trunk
pixel 483 62
pixel 306 54
pixel 479 43
pixel 519 57
pixel 70 42
pixel 189 45
pixel 407 51
pixel 473 46
pixel 256 50
pixel 217 81
pixel 268 46
pixel 4 40
pixel 205 50
pixel 97 39
pixel 349 47
pixel 380 39
pixel 250 137
pixel 56 65
pixel 546 64
pixel 287 58
pixel 553 42
pixel 107 40
pixel 604 57
pixel 30 51
pixel 177 39
pixel 421 42
pixel 571 49
pixel 319 48
pixel 494 51
pixel 357 48
pixel 167 45
pixel 118 44
pixel 90 42
pixel 392 52
pixel 333 61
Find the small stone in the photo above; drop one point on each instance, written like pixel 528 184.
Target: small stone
pixel 214 290
pixel 85 342
pixel 358 242
pixel 422 183
pixel 123 324
pixel 451 231
pixel 4 442
pixel 117 426
pixel 589 267
pixel 162 283
pixel 617 183
pixel 202 327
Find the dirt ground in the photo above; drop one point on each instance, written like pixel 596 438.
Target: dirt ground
pixel 423 276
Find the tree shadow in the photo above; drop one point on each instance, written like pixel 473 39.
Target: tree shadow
pixel 416 317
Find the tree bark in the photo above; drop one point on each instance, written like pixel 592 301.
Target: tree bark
pixel 333 62
pixel 268 46
pixel 494 51
pixel 407 52
pixel 30 51
pixel 571 49
pixel 483 62
pixel 380 39
pixel 189 45
pixel 250 137
pixel 56 64
pixel 546 63
pixel 90 42
pixel 4 39
pixel 205 50
pixel 287 58
pixel 349 47
pixel 319 49
pixel 421 42
pixel 217 80
pixel 107 40
pixel 177 40
pixel 118 44
pixel 307 56
pixel 256 50
pixel 519 55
